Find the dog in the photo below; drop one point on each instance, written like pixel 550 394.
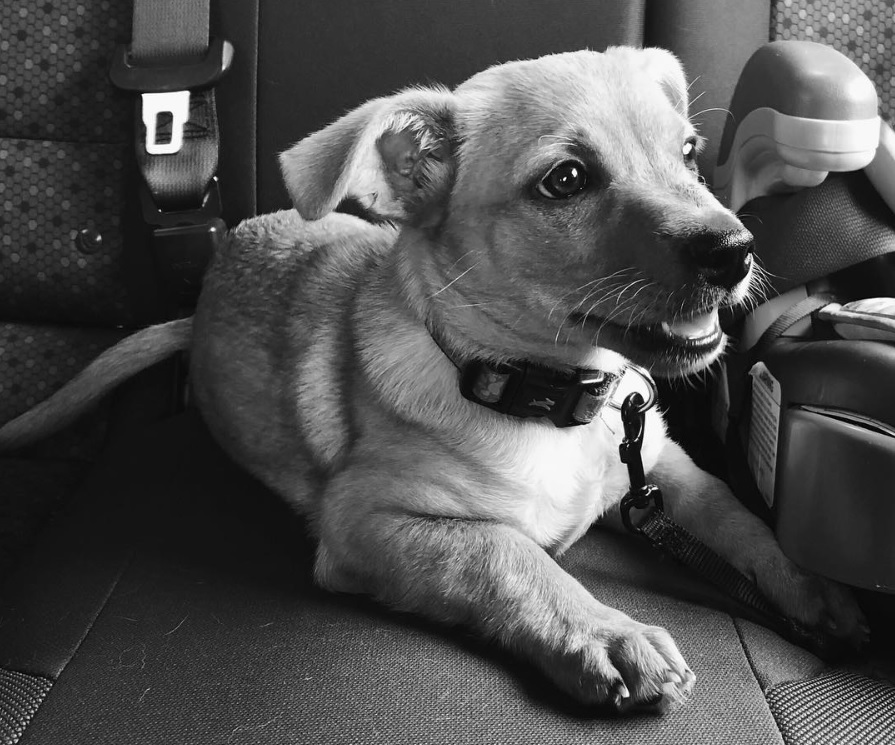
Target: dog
pixel 543 219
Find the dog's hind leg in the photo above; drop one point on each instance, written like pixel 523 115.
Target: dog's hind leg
pixel 492 579
pixel 133 354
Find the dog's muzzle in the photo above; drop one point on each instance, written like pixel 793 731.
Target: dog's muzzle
pixel 724 258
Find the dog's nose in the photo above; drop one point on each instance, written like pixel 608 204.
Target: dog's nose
pixel 723 258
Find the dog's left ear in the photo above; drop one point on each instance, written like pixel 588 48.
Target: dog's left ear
pixel 393 155
pixel 663 66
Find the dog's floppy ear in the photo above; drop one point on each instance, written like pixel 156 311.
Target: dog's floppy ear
pixel 668 70
pixel 393 155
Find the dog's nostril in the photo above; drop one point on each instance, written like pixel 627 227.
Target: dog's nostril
pixel 722 258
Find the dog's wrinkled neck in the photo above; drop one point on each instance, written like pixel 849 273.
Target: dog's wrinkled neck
pixel 489 370
pixel 519 387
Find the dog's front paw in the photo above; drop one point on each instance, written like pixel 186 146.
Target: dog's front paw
pixel 624 665
pixel 815 601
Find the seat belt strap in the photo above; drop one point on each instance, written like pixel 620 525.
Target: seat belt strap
pixel 788 319
pixel 173 65
pixel 739 365
pixel 177 150
pixel 169 31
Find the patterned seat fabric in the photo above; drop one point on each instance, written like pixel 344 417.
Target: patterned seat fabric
pixel 65 137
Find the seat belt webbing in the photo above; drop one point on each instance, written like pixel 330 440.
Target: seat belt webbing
pixel 173 64
pixel 171 34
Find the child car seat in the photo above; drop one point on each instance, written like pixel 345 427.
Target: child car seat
pixel 807 402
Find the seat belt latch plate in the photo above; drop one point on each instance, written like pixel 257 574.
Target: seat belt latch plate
pixel 174 103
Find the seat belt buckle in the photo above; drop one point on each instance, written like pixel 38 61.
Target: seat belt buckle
pixel 183 242
pixel 158 107
pixel 165 89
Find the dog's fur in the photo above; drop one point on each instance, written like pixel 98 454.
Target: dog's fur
pixel 314 364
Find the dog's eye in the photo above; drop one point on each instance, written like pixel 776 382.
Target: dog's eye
pixel 564 181
pixel 690 151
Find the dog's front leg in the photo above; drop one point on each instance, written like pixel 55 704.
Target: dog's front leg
pixel 494 580
pixel 707 508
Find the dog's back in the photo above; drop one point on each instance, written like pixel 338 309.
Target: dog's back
pixel 273 309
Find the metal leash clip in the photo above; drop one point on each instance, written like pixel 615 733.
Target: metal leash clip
pixel 641 495
pixel 652 391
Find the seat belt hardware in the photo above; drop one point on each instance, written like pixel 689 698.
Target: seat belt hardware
pixel 166 89
pixel 154 105
pixel 129 75
pixel 183 242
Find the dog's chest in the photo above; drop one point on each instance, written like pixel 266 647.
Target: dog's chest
pixel 560 481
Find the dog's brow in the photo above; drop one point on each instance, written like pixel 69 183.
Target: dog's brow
pixel 559 140
pixel 568 144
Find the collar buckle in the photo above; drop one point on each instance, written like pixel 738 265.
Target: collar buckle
pixel 525 391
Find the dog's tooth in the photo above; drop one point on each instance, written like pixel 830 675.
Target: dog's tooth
pixel 698 327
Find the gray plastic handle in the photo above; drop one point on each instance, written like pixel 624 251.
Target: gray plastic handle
pixel 800 110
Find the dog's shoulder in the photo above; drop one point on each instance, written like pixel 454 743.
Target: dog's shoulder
pixel 278 264
pixel 282 242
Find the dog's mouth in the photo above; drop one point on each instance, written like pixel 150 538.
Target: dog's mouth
pixel 681 345
pixel 698 334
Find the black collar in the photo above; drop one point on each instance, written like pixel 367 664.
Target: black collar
pixel 522 389
pixel 526 390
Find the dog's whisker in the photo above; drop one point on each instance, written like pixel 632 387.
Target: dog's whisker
pixel 606 294
pixel 627 287
pixel 601 299
pixel 697 97
pixel 455 279
pixel 638 319
pixel 759 264
pixel 471 305
pixel 646 286
pixel 751 216
pixel 594 285
pixel 598 284
pixel 713 109
pixel 615 289
pixel 618 312
pixel 459 259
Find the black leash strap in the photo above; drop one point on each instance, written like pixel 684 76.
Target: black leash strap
pixel 675 541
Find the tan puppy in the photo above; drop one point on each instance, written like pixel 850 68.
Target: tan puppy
pixel 547 212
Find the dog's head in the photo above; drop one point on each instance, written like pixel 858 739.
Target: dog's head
pixel 560 203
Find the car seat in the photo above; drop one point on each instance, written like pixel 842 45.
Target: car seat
pixel 802 399
pixel 170 599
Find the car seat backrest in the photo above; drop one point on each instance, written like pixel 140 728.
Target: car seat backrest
pixel 66 133
pixel 64 139
pixel 318 60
